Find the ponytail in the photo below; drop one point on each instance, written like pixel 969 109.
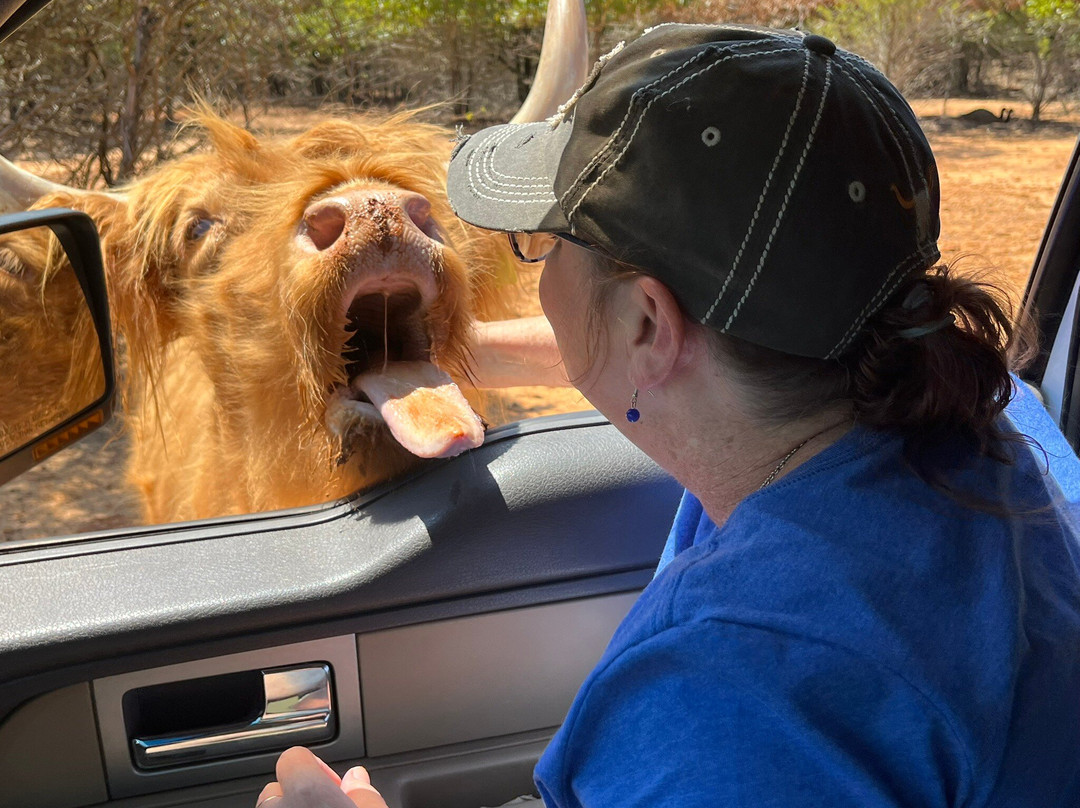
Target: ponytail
pixel 938 358
pixel 935 359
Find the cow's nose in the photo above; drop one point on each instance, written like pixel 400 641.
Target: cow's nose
pixel 326 220
pixel 419 210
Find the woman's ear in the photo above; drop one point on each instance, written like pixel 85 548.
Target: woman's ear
pixel 656 332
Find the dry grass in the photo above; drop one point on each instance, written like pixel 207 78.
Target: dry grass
pixel 998 183
pixel 75 491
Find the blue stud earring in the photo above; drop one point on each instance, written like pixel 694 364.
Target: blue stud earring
pixel 632 414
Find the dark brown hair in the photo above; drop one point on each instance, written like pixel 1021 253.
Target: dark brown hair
pixel 934 361
pixel 936 358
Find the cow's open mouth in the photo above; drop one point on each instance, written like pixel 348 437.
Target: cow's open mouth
pixel 393 382
pixel 383 327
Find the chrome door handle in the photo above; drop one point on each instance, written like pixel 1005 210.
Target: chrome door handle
pixel 298 710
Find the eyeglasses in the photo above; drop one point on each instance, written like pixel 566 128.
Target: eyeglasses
pixel 532 248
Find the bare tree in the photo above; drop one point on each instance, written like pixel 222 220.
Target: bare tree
pixel 1044 35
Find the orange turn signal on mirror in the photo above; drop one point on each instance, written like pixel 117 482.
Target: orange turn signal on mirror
pixel 55 443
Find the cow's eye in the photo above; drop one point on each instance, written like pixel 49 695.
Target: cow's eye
pixel 199 228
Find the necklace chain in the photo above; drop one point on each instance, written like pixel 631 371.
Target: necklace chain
pixel 780 466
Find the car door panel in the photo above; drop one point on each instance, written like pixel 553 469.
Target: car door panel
pixel 526 551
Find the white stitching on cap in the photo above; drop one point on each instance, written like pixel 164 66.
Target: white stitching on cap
pixel 641 117
pixel 767 34
pixel 861 316
pixel 765 189
pixel 474 169
pixel 565 108
pixel 494 177
pixel 850 64
pixel 856 79
pixel 888 107
pixel 645 110
pixel 603 150
pixel 914 152
pixel 611 141
pixel 854 57
pixel 652 28
pixel 883 292
pixel 919 184
pixel 787 197
pixel 794 36
pixel 527 199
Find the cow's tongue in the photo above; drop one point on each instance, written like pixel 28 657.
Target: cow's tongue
pixel 424 409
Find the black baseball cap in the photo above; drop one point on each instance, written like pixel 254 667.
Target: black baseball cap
pixel 781 187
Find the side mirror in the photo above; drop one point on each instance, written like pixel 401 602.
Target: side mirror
pixel 57 378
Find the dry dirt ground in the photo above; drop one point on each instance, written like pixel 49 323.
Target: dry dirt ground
pixel 998 183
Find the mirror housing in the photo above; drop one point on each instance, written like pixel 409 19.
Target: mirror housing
pixel 78 238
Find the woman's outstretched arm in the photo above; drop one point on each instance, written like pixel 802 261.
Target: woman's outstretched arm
pixel 513 353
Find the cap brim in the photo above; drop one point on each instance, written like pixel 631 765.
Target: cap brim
pixel 503 178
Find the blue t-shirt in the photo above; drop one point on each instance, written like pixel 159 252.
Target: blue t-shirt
pixel 849 637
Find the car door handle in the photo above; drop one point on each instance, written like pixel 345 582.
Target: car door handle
pixel 298 710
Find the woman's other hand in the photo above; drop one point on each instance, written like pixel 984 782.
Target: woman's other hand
pixel 304 781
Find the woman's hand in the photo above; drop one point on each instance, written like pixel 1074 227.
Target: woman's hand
pixel 304 781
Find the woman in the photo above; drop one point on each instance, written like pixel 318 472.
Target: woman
pixel 871 592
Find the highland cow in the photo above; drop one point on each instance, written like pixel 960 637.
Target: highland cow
pixel 296 312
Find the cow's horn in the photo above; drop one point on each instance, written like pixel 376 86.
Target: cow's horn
pixel 19 189
pixel 564 61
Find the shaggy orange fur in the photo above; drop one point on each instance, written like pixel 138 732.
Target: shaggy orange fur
pixel 235 339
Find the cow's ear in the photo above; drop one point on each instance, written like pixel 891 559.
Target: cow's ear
pixel 227 139
pixel 106 209
pixel 99 206
pixel 138 300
